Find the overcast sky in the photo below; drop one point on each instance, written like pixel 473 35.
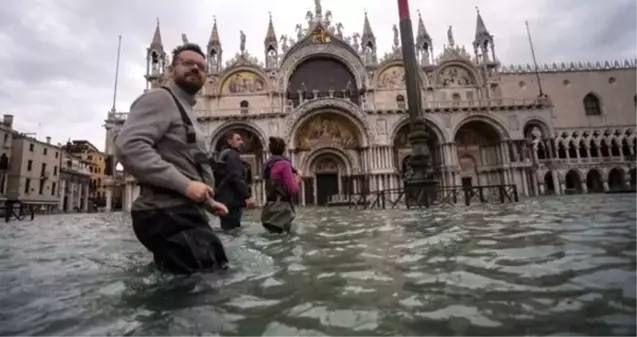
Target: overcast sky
pixel 57 57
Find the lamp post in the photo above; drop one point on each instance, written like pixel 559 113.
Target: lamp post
pixel 419 179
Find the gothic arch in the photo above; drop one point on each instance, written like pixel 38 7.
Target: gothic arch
pixel 482 117
pixel 440 135
pixel 240 125
pixel 538 122
pixel 240 69
pixel 340 106
pixel 296 57
pixel 458 63
pixel 329 151
pixel 592 104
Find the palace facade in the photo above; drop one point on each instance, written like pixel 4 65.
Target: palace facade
pixel 341 107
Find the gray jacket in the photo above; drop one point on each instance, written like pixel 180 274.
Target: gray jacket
pixel 152 147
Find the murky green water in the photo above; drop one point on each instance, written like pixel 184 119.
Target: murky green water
pixel 544 266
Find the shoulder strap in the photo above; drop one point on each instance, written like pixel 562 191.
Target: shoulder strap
pixel 191 136
pixel 182 111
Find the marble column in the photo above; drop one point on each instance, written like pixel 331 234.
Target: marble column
pixel 127 202
pixel 584 187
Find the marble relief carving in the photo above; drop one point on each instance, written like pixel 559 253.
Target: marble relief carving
pixel 454 76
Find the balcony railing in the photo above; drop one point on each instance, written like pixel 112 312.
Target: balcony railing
pixel 427 105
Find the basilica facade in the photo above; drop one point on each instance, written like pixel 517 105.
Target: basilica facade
pixel 342 109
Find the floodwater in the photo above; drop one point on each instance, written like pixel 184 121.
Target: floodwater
pixel 542 266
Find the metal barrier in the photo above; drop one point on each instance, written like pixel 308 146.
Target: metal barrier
pixel 439 196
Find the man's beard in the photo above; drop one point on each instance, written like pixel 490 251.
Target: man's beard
pixel 191 88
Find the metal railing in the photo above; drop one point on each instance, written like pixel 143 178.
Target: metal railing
pixel 423 197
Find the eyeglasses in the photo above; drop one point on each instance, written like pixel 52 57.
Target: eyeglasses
pixel 193 64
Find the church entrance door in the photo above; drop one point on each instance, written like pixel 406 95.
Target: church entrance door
pixel 326 186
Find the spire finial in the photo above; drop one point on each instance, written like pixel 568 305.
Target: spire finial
pixel 214 18
pixel 158 21
pixel 478 10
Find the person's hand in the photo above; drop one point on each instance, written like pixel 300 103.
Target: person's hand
pixel 198 191
pixel 217 207
pixel 250 202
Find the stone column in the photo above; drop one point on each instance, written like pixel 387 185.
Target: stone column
pixel 127 203
pixel 584 186
pixel 109 197
pixel 605 183
pixel 85 188
pixel 62 193
pixel 70 202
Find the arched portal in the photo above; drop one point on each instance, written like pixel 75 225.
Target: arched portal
pixel 252 150
pixel 616 179
pixel 481 141
pixel 329 173
pixel 402 147
pixel 573 182
pixel 321 77
pixel 594 181
pixel 549 184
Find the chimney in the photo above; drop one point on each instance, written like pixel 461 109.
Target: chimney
pixel 7 120
pixel 48 140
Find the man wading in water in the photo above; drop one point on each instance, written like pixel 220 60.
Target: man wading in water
pixel 232 187
pixel 163 147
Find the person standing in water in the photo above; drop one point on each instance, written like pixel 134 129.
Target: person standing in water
pixel 232 187
pixel 281 185
pixel 162 146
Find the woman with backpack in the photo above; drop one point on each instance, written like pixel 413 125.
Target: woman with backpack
pixel 281 186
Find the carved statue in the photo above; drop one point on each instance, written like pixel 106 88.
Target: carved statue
pixel 339 30
pixel 355 44
pixel 302 87
pixel 309 17
pixel 328 18
pixel 450 37
pixel 184 38
pixel 317 7
pixel 242 38
pixel 299 31
pixel 284 43
pixel 395 36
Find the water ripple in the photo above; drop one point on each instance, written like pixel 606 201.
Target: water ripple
pixel 559 266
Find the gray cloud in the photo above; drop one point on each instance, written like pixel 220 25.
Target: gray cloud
pixel 58 57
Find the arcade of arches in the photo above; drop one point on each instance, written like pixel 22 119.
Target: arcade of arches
pixel 328 148
pixel 586 151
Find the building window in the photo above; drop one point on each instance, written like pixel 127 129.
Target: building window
pixel 456 96
pixel 42 182
pixel 29 165
pixel 245 106
pixel 90 157
pixel 53 186
pixel 56 154
pixel 400 101
pixel 44 151
pixel 31 147
pixel 592 105
pixel 27 185
pixel 6 138
pixel 43 172
pixel 55 170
